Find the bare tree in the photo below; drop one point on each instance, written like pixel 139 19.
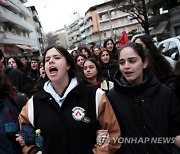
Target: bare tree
pixel 137 9
pixel 51 39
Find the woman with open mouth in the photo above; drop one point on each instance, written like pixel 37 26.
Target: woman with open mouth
pixel 69 112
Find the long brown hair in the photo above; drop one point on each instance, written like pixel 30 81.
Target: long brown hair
pixel 99 75
pixel 7 90
pixel 110 63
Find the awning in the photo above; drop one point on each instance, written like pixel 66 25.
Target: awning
pixel 25 47
pixel 159 28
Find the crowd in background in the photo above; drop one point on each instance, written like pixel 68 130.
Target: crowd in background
pixel 21 78
pixel 25 73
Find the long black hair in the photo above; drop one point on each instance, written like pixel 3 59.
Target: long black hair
pixel 158 64
pixel 73 71
pixel 137 48
pixel 7 90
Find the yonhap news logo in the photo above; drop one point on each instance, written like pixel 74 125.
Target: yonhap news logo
pixel 103 139
pixel 144 140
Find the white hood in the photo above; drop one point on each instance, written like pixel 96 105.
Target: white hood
pixel 49 89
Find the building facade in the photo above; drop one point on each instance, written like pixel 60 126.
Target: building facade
pixel 61 37
pixel 99 23
pixel 15 29
pixel 165 20
pixel 37 33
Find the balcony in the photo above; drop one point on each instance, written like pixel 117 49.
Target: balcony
pixel 8 16
pixel 112 18
pixel 104 28
pixel 87 16
pixel 83 35
pixel 158 18
pixel 104 9
pixel 82 30
pixel 125 24
pixel 119 16
pixel 103 20
pixel 88 33
pixel 89 24
pixel 23 9
pixel 118 25
pixel 10 38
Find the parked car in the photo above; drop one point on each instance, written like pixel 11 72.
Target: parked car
pixel 170 48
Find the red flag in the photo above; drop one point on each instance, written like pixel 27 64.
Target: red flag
pixel 124 39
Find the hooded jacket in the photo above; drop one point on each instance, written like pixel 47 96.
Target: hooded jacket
pixel 145 111
pixel 69 123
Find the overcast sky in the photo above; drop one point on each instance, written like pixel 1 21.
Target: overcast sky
pixel 54 14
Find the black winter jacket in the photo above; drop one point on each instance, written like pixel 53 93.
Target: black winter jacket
pixel 108 72
pixel 146 110
pixel 71 128
pixel 66 126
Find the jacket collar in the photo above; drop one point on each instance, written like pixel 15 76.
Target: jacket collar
pixel 77 90
pixel 150 82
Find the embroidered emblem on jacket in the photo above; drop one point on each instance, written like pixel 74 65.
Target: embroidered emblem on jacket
pixel 78 113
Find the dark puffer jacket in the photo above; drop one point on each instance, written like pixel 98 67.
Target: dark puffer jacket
pixel 149 109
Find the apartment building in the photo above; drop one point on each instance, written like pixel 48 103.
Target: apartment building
pixel 61 37
pixel 112 22
pixel 99 23
pixel 15 29
pixel 165 19
pixel 75 33
pixel 37 33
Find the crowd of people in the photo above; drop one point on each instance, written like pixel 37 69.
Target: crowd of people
pixel 84 101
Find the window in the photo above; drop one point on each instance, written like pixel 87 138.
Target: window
pixel 113 13
pixel 104 17
pixel 1 28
